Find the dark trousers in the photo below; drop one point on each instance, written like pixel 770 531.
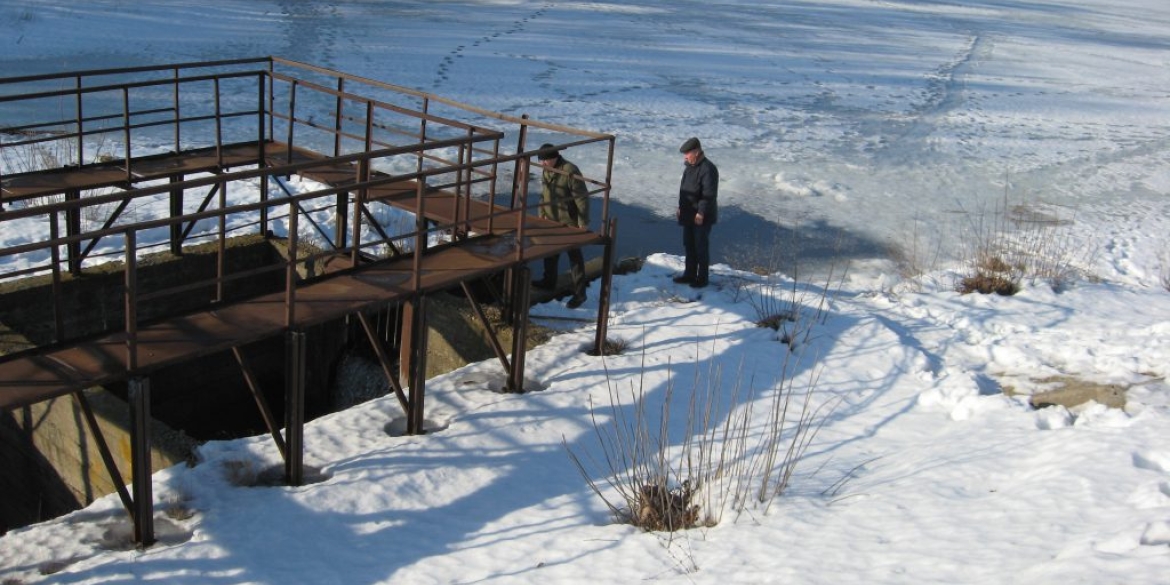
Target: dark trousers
pixel 576 270
pixel 696 242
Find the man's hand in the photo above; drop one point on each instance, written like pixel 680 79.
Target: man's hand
pixel 698 219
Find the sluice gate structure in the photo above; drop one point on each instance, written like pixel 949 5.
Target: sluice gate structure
pixel 378 196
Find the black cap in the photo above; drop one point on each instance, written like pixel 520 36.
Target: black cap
pixel 692 143
pixel 547 151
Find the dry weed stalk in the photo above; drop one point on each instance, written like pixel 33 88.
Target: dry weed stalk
pixel 727 457
pixel 1017 243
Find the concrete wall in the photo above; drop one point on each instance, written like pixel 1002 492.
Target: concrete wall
pixel 52 461
pixel 49 456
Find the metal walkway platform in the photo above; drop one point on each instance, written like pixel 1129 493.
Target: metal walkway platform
pixel 366 145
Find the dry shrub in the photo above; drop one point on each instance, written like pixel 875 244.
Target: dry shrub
pixel 988 283
pixel 788 308
pixel 1013 243
pixel 730 456
pixel 734 449
pixel 775 321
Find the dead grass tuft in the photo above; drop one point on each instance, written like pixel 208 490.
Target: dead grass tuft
pixel 659 508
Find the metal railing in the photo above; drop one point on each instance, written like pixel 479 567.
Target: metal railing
pixel 368 134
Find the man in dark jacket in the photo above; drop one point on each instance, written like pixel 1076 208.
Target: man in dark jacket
pixel 565 199
pixel 698 210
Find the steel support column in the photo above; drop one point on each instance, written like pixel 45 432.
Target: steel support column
pixel 413 360
pixel 521 300
pixel 294 408
pixel 140 470
pixel 606 288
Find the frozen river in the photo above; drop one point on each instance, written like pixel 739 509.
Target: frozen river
pixel 842 128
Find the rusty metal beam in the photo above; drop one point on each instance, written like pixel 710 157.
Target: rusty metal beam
pixel 414 333
pixel 383 360
pixel 104 452
pixel 176 205
pixel 253 383
pixel 294 407
pixel 73 228
pixel 606 288
pixel 522 300
pixel 202 207
pixel 140 470
pixel 492 335
pixel 114 215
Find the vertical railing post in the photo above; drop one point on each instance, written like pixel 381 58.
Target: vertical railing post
pixel 422 132
pixel 176 196
pixel 80 109
pixel 131 300
pixel 519 208
pixel 520 141
pixel 521 212
pixel 466 155
pixel 261 144
pixel 338 117
pixel 368 142
pixel 420 234
pixel 55 256
pixel 492 184
pixel 608 182
pixel 290 276
pixel 221 243
pixel 271 109
pixel 177 106
pixel 73 228
pixel 292 117
pixel 359 203
pixel 126 131
pixel 218 126
pixel 364 172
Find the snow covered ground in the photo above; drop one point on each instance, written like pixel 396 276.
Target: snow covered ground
pixel 877 124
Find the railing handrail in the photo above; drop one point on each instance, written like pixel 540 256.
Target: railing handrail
pixel 64 206
pixel 518 120
pixel 85 73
